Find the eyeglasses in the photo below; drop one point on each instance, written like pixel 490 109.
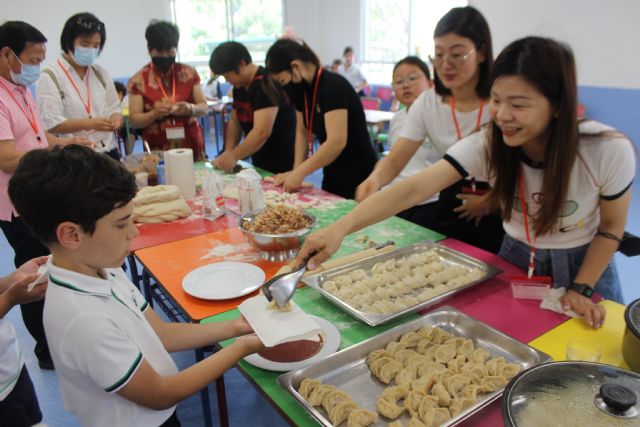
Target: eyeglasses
pixel 409 80
pixel 455 59
pixel 89 24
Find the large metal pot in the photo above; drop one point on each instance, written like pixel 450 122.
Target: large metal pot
pixel 572 394
pixel 631 339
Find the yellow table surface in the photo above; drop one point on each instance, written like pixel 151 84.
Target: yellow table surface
pixel 608 337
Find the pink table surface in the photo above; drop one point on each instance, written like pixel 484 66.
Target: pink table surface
pixel 493 304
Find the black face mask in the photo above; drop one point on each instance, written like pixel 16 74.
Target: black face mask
pixel 163 63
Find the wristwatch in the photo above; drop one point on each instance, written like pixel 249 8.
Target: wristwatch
pixel 581 288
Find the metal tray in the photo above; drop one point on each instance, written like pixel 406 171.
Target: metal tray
pixel 448 256
pixel 347 369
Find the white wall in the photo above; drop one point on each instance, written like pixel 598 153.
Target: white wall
pixel 327 26
pixel 604 35
pixel 125 51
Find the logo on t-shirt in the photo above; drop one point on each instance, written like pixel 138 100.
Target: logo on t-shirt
pixel 244 111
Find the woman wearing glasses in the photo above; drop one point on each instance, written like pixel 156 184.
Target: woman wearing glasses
pixel 328 107
pixel 411 77
pixel 75 95
pixel 562 187
pixel 165 97
pixel 454 109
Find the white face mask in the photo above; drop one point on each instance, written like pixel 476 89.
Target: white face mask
pixel 28 75
pixel 85 56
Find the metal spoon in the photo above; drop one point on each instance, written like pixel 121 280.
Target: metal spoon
pixel 281 288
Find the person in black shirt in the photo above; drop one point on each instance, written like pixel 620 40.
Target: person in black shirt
pixel 328 107
pixel 261 113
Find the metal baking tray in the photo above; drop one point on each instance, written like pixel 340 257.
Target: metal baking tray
pixel 347 369
pixel 448 256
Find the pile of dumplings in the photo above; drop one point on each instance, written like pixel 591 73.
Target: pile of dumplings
pixel 396 284
pixel 339 405
pixel 437 375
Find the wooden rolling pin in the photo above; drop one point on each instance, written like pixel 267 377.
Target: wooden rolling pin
pixel 347 259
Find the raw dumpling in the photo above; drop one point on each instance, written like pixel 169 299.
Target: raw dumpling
pixel 404 354
pixel 376 354
pixel 492 383
pixel 330 286
pixel 412 401
pixel 387 404
pixel 428 402
pixel 395 346
pixel 431 368
pixel 439 391
pixel 377 364
pixel 495 366
pixel 411 339
pixel 339 413
pixel 361 418
pixel 378 268
pixel 466 348
pixel 357 275
pixel 405 377
pixel 343 280
pixel 480 355
pixel 318 394
pixel 424 383
pixel 510 370
pixel 414 362
pixel 306 386
pixel 389 371
pixel 445 352
pixel 455 383
pixel 415 422
pixel 332 398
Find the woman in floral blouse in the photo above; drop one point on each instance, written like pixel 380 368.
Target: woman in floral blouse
pixel 165 97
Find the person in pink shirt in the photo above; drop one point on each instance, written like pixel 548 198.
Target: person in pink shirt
pixel 22 50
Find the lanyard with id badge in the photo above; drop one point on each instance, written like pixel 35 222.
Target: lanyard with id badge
pixel 174 131
pixel 529 286
pixel 469 186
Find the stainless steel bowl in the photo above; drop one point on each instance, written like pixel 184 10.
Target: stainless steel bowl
pixel 276 247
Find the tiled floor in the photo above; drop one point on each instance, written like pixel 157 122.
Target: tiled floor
pixel 246 405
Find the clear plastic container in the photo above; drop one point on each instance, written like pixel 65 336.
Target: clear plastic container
pixel 213 195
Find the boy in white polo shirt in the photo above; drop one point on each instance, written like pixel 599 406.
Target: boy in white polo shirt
pixel 18 401
pixel 109 349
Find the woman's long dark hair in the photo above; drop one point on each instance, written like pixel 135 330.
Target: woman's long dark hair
pixel 468 22
pixel 283 51
pixel 549 66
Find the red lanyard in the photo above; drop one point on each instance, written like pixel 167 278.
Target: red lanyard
pixel 32 121
pixel 309 114
pixel 161 84
pixel 87 106
pixel 532 245
pixel 452 104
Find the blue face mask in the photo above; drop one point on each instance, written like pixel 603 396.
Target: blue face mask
pixel 85 56
pixel 28 75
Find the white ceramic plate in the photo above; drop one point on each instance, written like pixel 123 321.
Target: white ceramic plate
pixel 223 280
pixel 330 345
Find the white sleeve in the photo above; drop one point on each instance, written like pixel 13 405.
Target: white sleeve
pixel 415 126
pixel 469 156
pixel 618 167
pixel 107 356
pixel 49 101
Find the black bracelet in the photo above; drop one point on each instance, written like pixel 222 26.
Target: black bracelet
pixel 609 236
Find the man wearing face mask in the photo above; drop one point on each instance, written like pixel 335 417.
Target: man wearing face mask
pixel 165 97
pixel 22 50
pixel 76 96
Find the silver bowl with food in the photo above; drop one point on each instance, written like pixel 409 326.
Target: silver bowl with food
pixel 277 231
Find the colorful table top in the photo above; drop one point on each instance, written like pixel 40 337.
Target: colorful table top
pixel 490 302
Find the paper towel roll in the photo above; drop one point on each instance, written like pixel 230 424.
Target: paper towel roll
pixel 179 171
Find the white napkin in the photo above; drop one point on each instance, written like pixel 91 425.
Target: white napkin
pixel 552 302
pixel 43 277
pixel 275 327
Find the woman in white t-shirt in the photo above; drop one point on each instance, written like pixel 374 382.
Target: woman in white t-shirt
pixel 455 108
pixel 572 179
pixel 75 95
pixel 411 77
